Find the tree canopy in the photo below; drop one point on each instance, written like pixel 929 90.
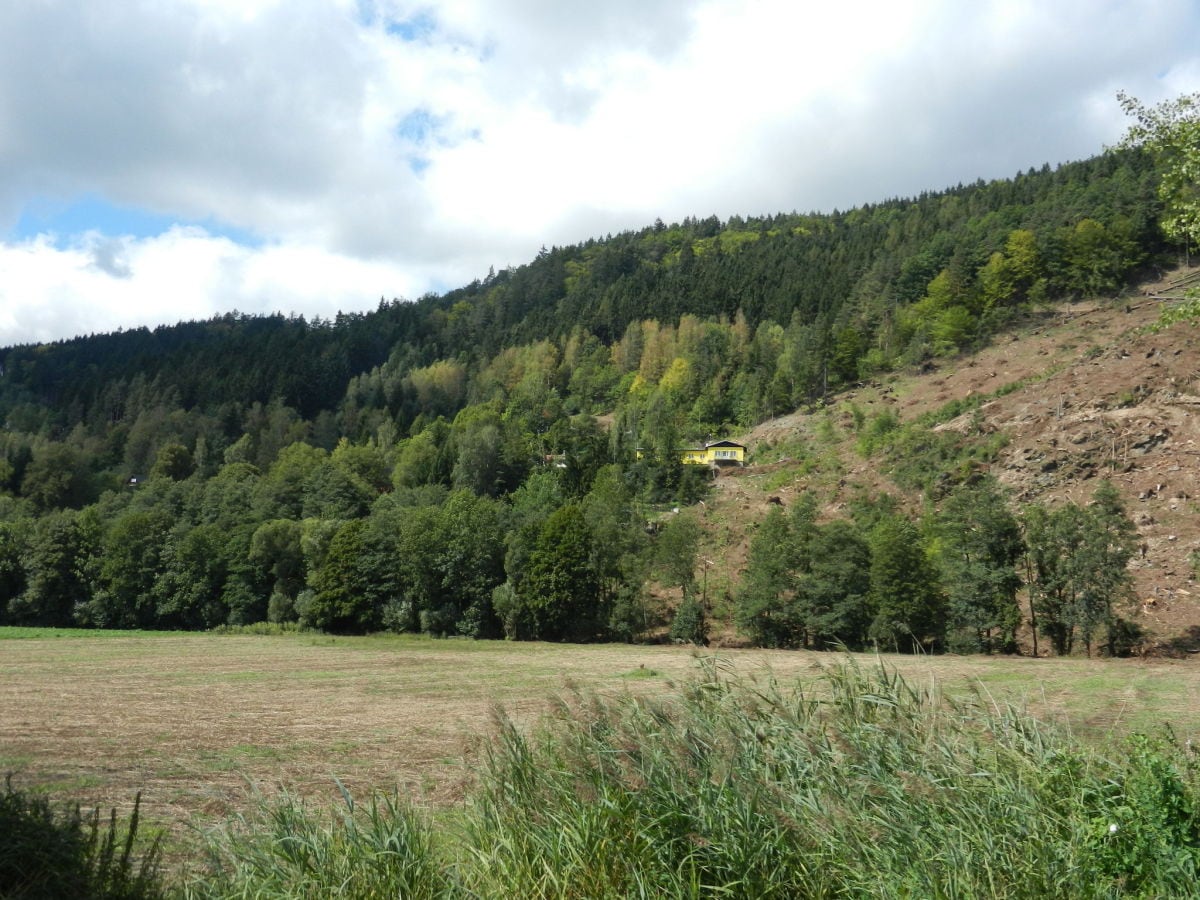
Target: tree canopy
pixel 1170 131
pixel 505 458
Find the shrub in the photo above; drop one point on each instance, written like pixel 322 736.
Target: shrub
pixel 690 625
pixel 49 852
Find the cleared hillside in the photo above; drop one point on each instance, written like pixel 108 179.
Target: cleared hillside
pixel 1084 392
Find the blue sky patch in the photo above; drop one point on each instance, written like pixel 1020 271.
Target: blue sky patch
pixel 419 126
pixel 91 212
pixel 416 28
pixel 419 27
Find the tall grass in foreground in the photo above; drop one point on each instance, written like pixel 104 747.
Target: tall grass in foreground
pixel 380 850
pixel 857 784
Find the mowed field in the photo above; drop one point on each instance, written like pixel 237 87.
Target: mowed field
pixel 201 723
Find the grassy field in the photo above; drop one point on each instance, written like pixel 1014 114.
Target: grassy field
pixel 199 722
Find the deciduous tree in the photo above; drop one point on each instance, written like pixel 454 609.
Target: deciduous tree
pixel 1078 561
pixel 767 607
pixel 1170 131
pixel 561 589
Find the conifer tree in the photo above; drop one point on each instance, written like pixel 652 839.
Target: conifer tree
pixel 767 608
pixel 908 606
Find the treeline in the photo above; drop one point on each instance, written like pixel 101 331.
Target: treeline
pixel 329 541
pixel 950 580
pixel 439 466
pixel 348 542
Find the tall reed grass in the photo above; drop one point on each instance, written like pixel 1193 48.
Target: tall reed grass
pixel 382 849
pixel 854 784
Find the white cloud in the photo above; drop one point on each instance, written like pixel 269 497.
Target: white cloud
pixel 394 146
pixel 102 284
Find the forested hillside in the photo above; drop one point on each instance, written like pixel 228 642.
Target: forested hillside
pixel 494 461
pixel 860 290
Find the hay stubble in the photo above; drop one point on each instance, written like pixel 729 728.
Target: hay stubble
pixel 199 723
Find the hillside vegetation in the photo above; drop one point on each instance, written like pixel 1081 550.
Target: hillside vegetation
pixel 504 459
pixel 1087 393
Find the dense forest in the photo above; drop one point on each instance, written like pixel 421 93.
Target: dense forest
pixel 493 461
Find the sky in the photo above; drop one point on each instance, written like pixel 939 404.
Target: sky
pixel 169 160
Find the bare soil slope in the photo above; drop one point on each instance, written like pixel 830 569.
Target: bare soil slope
pixel 1083 393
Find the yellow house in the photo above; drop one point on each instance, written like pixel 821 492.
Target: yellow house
pixel 715 453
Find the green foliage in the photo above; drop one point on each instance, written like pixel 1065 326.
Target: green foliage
pixel 922 458
pixel 874 435
pixel 56 587
pixel 906 596
pixel 14 537
pixel 470 563
pixel 131 554
pixel 855 783
pixel 977 547
pixel 835 586
pixel 767 610
pixel 1078 560
pixel 421 458
pixel 1008 277
pixel 382 849
pixel 838 585
pixel 1170 131
pixel 1153 832
pixel 620 551
pixel 561 587
pixel 1097 258
pixel 675 551
pixel 858 785
pixel 282 492
pixel 47 853
pixel 343 596
pixel 190 586
pixel 56 476
pixel 174 461
pixel 277 546
pixel 1188 311
pixel 690 624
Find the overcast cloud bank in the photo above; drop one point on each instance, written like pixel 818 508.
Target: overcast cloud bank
pixel 161 162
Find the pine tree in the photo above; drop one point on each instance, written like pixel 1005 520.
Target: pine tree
pixel 767 607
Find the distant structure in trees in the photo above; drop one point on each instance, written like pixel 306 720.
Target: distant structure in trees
pixel 715 453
